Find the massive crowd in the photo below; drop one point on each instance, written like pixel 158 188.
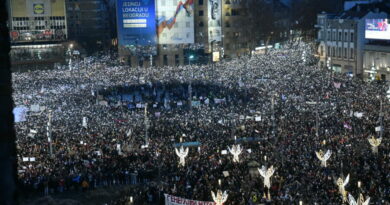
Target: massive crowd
pixel 273 105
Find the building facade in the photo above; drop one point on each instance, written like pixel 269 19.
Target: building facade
pixel 376 62
pixel 37 21
pixel 342 41
pixel 90 23
pixel 38 32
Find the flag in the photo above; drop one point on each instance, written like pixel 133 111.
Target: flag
pixel 347 126
pixel 337 85
pixel 85 122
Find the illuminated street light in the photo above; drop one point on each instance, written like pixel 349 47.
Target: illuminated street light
pixel 182 154
pixel 341 184
pixel 267 174
pixel 323 157
pixel 236 150
pixel 375 142
pixel 220 198
pixel 360 200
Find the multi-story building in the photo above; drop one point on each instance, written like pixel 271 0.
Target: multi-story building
pixel 38 30
pixel 89 23
pixel 189 31
pixel 341 37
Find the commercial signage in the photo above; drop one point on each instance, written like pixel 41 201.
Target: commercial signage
pixel 214 16
pixel 136 24
pixel 378 29
pixel 175 24
pixel 174 200
pixel 39 8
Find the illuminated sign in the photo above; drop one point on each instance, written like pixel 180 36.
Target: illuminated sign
pixel 214 16
pixel 175 21
pixel 136 24
pixel 378 29
pixel 39 8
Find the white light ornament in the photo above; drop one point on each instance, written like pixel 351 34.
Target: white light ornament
pixel 220 198
pixel 267 174
pixel 375 142
pixel 182 154
pixel 341 184
pixel 236 150
pixel 323 157
pixel 360 200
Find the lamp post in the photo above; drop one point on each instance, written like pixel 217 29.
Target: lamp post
pixel 146 124
pixel 190 84
pixel 220 197
pixel 49 130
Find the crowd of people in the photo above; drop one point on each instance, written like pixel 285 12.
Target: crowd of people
pixel 114 125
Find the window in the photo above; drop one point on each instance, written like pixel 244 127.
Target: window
pixel 177 61
pixel 328 51
pixel 162 2
pixel 200 2
pixel 176 25
pixel 174 2
pixel 352 37
pixel 333 52
pixel 235 12
pixel 345 52
pixel 165 60
pixel 201 24
pixel 340 36
pixel 328 37
pixel 188 24
pixel 345 36
pixel 227 24
pixel 340 50
pixel 200 12
pixel 351 53
pixel 322 50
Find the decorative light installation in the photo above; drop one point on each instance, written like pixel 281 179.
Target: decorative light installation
pixel 182 154
pixel 341 184
pixel 267 174
pixel 374 142
pixel 236 150
pixel 220 198
pixel 323 157
pixel 360 200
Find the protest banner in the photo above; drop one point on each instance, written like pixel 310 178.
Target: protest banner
pixel 174 200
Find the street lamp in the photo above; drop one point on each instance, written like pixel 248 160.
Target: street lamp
pixel 190 58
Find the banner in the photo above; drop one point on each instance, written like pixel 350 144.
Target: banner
pixel 136 25
pixel 214 24
pixel 20 114
pixel 174 200
pixel 175 21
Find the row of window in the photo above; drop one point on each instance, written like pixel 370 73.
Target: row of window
pixel 24 28
pixel 340 36
pixel 38 18
pixel 340 52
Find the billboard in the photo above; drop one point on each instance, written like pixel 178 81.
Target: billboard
pixel 378 29
pixel 136 24
pixel 175 21
pixel 214 16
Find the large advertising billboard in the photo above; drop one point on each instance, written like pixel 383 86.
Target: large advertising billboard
pixel 175 21
pixel 377 29
pixel 136 24
pixel 214 16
